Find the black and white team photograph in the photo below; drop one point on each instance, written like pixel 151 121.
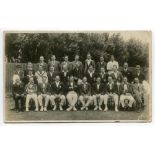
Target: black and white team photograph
pixel 77 76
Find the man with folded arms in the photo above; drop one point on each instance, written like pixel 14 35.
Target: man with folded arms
pixel 85 94
pixel 99 93
pixel 43 92
pixel 31 90
pixel 126 94
pixel 57 90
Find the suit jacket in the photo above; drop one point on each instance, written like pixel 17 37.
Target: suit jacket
pixel 43 89
pixel 101 90
pixel 56 65
pixel 119 77
pixel 104 77
pixel 99 65
pixel 79 63
pixel 87 66
pixel 77 73
pixel 141 77
pixel 57 90
pixel 127 74
pixel 64 78
pixel 85 90
pixel 128 90
pixel 51 78
pixel 137 88
pixel 114 88
pixel 90 79
pixel 18 89
pixel 72 88
pixel 69 66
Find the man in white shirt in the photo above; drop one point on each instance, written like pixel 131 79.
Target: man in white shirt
pixel 111 63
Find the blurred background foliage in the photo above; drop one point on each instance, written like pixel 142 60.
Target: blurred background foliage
pixel 24 47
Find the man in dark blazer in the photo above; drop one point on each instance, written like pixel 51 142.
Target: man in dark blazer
pixel 103 75
pixel 43 93
pixel 100 64
pixel 57 91
pixel 64 75
pixel 99 93
pixel 77 73
pixel 51 75
pixel 18 73
pixel 88 62
pixel 54 63
pixel 126 73
pixel 85 94
pixel 112 92
pixel 18 95
pixel 91 75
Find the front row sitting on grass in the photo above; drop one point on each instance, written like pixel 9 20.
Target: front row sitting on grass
pixel 72 95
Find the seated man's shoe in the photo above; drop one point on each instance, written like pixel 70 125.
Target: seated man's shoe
pixel 100 108
pixel 105 109
pixel 116 109
pixel 69 109
pixel 45 108
pixel 41 109
pixel 86 108
pixel 27 109
pixel 74 109
pixel 61 109
pixel 82 108
pixel 36 109
pixel 96 108
pixel 55 107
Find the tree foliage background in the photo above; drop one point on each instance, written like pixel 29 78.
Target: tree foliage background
pixel 31 46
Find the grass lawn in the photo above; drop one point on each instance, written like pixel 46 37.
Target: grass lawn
pixel 56 116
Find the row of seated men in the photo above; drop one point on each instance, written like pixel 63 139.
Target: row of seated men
pixel 91 87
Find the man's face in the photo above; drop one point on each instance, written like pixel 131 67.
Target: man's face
pixel 101 59
pixel 91 69
pixel 51 69
pixel 114 68
pixel 84 79
pixel 66 58
pixel 109 79
pixel 112 58
pixel 31 81
pixel 98 80
pixel 88 56
pixel 41 59
pixel 102 70
pixel 57 78
pixel 17 81
pixel 40 68
pixel 125 80
pixel 125 65
pixel 76 57
pixel 136 80
pixel 53 57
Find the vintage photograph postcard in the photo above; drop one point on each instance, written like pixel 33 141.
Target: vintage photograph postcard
pixel 77 76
